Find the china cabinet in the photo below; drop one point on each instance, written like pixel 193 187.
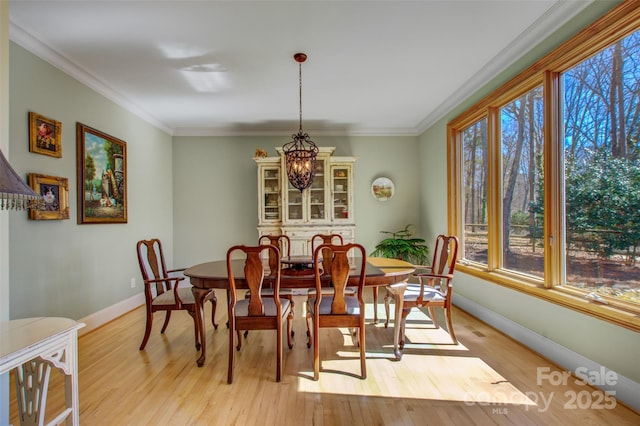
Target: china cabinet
pixel 326 207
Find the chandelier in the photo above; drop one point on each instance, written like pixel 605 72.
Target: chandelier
pixel 300 153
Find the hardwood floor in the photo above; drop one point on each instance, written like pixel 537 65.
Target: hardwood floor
pixel 487 379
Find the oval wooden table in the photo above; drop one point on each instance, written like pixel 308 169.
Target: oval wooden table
pixel 392 273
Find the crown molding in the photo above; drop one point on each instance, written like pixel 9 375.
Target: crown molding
pixel 45 52
pixel 558 15
pixel 552 20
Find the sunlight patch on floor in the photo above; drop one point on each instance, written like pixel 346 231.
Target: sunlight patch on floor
pixel 446 378
pixel 430 375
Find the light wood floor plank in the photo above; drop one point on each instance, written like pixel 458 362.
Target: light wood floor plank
pixel 489 379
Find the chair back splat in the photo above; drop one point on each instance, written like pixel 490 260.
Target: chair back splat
pixel 318 239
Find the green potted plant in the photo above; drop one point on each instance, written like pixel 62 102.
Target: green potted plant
pixel 400 245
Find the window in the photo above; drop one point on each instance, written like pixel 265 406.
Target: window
pixel 521 148
pixel 545 175
pixel 602 171
pixel 474 142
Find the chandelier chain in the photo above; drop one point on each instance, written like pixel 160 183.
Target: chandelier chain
pixel 300 88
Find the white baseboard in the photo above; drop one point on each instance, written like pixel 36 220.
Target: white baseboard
pixel 110 313
pixel 626 390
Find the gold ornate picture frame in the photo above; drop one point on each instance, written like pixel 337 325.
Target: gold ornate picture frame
pixel 102 177
pixel 55 194
pixel 45 135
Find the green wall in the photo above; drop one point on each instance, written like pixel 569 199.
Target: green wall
pixel 215 189
pixel 57 267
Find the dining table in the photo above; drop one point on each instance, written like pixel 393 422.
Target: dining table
pixel 391 273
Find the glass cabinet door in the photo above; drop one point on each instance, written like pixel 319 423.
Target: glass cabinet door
pixel 294 203
pixel 271 193
pixel 316 193
pixel 340 183
pixel 308 206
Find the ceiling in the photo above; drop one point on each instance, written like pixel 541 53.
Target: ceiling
pixel 227 67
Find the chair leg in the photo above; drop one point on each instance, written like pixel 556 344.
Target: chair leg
pixel 167 317
pixel 309 330
pixel 387 302
pixel 231 352
pixel 316 350
pixel 291 313
pixel 375 304
pixel 228 298
pixel 447 312
pixel 363 355
pixel 239 345
pixel 147 329
pixel 290 328
pixel 279 352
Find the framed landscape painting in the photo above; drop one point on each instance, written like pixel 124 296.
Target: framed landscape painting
pixel 102 177
pixel 45 135
pixel 55 195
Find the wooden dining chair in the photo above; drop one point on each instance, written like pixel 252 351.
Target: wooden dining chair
pixel 162 291
pixel 282 241
pixel 327 258
pixel 256 312
pixel 434 287
pixel 336 309
pixel 326 264
pixel 319 239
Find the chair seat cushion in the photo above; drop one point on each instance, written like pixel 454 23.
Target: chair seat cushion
pixel 168 298
pixel 413 291
pixel 353 306
pixel 242 307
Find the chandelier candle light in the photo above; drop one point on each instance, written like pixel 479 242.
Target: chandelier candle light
pixel 300 153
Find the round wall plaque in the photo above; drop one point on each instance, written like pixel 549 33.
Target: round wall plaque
pixel 382 189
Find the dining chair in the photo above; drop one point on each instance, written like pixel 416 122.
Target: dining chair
pixel 162 291
pixel 326 264
pixel 327 258
pixel 337 309
pixel 256 312
pixel 281 241
pixel 319 239
pixel 434 287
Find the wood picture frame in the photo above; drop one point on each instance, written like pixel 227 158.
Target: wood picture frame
pixel 55 194
pixel 102 177
pixel 45 135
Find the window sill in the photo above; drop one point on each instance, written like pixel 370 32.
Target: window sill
pixel 619 313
